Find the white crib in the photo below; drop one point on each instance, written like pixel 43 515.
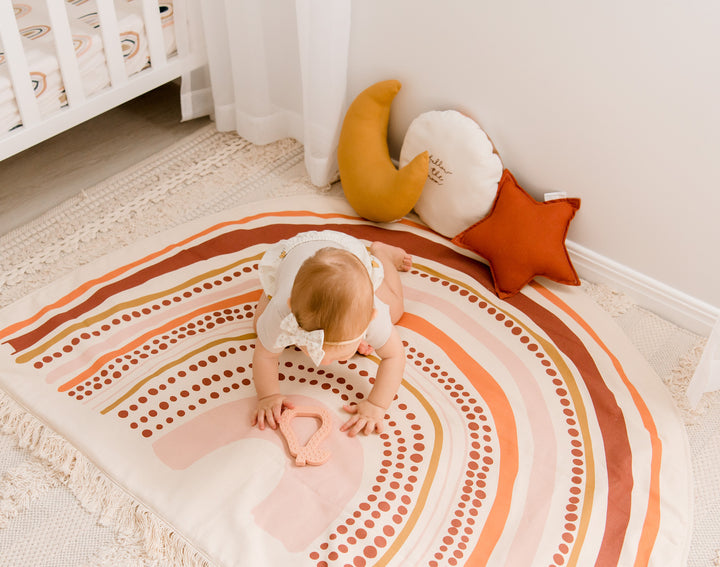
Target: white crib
pixel 92 55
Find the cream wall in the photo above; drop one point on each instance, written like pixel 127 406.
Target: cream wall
pixel 615 102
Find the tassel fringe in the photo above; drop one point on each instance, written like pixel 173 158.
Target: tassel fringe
pixel 97 493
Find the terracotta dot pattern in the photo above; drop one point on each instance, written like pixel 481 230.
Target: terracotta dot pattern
pixel 188 391
pixel 370 529
pixel 78 339
pixel 480 463
pixel 576 467
pixel 121 366
pixel 364 535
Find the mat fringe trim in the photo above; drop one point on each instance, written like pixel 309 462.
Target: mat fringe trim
pixel 679 381
pixel 96 492
pixel 616 304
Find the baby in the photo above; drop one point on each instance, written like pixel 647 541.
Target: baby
pixel 326 294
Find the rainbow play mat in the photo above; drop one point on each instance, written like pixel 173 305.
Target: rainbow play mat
pixel 526 432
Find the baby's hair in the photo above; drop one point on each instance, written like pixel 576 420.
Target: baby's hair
pixel 333 291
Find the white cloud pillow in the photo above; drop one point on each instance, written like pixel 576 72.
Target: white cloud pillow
pixel 464 170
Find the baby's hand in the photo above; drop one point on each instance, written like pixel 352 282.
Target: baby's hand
pixel 367 417
pixel 365 349
pixel 269 409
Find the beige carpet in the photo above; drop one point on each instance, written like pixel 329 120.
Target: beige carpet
pixel 52 505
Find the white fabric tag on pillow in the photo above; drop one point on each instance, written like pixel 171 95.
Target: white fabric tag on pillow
pixel 464 170
pixel 555 195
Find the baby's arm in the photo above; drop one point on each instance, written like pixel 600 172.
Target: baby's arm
pixel 369 414
pixel 265 376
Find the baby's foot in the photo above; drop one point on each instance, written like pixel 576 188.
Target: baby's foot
pixel 394 255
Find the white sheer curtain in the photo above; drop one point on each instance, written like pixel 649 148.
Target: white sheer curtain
pixel 707 373
pixel 279 69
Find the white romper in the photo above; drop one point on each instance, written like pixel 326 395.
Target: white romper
pixel 279 266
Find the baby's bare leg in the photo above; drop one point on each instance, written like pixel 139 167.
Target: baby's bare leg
pixel 394 260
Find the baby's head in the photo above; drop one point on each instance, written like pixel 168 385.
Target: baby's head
pixel 333 292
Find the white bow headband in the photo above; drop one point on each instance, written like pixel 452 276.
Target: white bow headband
pixel 292 334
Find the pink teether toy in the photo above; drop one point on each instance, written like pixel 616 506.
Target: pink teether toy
pixel 311 453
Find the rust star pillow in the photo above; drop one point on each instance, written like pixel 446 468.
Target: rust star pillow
pixel 522 238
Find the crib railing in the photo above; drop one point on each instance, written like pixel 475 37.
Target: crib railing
pixel 122 88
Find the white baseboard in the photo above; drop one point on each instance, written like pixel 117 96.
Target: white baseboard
pixel 668 302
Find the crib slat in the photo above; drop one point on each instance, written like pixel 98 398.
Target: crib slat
pixel 111 42
pixel 66 52
pixel 180 27
pixel 17 65
pixel 154 32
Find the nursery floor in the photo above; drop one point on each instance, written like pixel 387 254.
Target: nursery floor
pixel 38 505
pixel 43 176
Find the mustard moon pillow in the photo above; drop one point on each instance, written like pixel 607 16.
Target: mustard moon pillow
pixel 464 170
pixel 373 187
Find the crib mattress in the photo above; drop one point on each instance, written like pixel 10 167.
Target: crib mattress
pixel 39 47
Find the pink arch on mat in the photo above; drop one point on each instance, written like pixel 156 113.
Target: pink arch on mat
pixel 228 423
